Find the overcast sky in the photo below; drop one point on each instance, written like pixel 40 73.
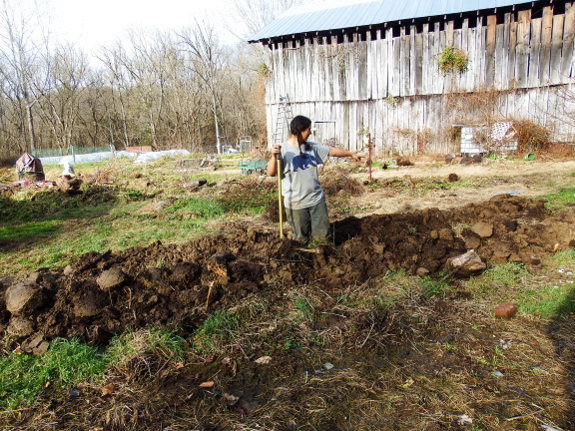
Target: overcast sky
pixel 91 23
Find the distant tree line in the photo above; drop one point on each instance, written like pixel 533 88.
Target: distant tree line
pixel 176 89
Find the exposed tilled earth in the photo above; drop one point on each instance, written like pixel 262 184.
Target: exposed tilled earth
pixel 395 373
pixel 103 294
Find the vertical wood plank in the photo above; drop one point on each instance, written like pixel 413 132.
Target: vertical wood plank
pixel 307 70
pixel 464 44
pixel 472 60
pixel 545 52
pixel 404 62
pixel 412 77
pixel 425 60
pixel 556 45
pixel 384 75
pixel 344 65
pixel 439 42
pixel 394 67
pixel 444 38
pixel 568 33
pixel 360 61
pixel 479 71
pixel 512 55
pixel 376 65
pixel 389 46
pixel 418 64
pixel 334 55
pixel 458 79
pixel 503 66
pixel 534 51
pixel 490 51
pixel 522 51
pixel 499 56
pixel 370 69
pixel 449 37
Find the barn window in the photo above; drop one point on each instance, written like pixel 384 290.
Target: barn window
pixel 537 13
pixel 558 8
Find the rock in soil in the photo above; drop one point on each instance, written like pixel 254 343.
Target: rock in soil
pixel 24 298
pixel 466 265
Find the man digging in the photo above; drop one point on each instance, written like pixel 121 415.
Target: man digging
pixel 303 197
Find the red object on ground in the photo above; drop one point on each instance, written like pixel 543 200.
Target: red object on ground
pixel 507 310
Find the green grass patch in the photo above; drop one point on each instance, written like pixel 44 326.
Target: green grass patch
pixel 502 278
pixel 197 208
pixel 24 232
pixel 161 342
pixel 563 259
pixel 103 228
pixel 213 332
pixel 547 301
pixel 559 199
pixel 250 197
pixel 66 363
pixel 433 287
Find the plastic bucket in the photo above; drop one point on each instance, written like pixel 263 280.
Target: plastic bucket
pixel 529 157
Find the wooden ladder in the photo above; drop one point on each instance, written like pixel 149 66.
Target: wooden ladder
pixel 283 118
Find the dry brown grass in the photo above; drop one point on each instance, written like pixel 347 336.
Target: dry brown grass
pixel 531 137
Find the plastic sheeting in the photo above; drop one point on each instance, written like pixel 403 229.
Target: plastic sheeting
pixel 157 155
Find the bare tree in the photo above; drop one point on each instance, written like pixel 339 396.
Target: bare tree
pixel 117 77
pixel 253 15
pixel 60 99
pixel 21 39
pixel 208 61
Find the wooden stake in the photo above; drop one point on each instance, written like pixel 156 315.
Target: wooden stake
pixel 209 294
pixel 369 159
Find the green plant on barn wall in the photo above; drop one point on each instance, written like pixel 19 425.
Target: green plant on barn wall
pixel 264 70
pixel 452 60
pixel 393 101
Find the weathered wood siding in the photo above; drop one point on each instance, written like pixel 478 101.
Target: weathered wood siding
pixel 392 86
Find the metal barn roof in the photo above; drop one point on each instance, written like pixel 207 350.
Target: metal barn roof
pixel 337 14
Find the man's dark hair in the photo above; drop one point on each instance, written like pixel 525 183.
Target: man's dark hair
pixel 297 126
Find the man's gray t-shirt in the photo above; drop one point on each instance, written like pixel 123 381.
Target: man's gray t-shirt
pixel 300 182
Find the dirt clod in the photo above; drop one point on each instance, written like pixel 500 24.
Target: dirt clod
pixel 24 298
pixel 111 279
pixel 484 230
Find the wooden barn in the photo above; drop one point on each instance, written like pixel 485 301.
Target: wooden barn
pixel 410 74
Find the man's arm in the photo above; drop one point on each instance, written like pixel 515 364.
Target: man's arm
pixel 338 152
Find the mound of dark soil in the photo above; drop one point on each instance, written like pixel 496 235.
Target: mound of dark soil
pixel 103 294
